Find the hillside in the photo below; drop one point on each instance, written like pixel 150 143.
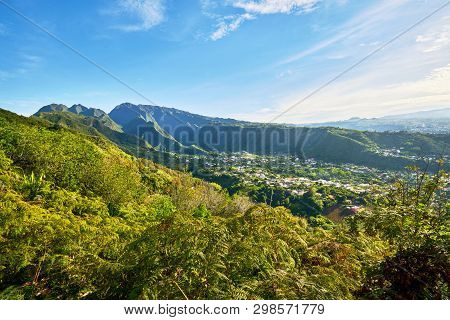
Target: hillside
pixel 81 110
pixel 81 219
pixel 93 126
pixel 174 131
pixel 149 142
pixel 167 118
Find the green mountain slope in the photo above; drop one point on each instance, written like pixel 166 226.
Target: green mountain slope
pixel 169 119
pixel 81 219
pixel 54 108
pixel 97 127
pixel 81 110
pixel 148 141
pixel 383 150
pixel 174 131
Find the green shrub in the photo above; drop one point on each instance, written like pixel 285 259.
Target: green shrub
pixel 201 212
pixel 33 186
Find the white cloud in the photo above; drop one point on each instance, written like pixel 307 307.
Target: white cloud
pixel 276 6
pixel 360 25
pixel 228 24
pixel 265 110
pixel 149 13
pixel 412 74
pixel 285 74
pixel 435 40
pixel 370 44
pixel 251 9
pixel 27 64
pixel 207 6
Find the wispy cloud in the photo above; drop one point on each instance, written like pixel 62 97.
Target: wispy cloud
pixel 343 101
pixel 149 13
pixel 229 24
pixel 435 40
pixel 285 74
pixel 31 59
pixel 357 26
pixel 4 75
pixel 412 75
pixel 378 90
pixel 27 63
pixel 250 10
pixel 275 6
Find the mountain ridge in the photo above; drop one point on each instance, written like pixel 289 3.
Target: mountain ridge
pixel 81 110
pixel 431 121
pixel 170 117
pixel 174 131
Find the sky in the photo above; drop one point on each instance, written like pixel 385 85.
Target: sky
pixel 244 59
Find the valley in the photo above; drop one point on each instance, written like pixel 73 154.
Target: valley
pixel 310 171
pixel 88 210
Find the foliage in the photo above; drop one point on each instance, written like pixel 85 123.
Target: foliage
pixel 80 219
pixel 33 186
pixel 201 212
pixel 413 216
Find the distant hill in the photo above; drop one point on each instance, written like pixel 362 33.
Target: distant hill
pixel 163 127
pixel 54 107
pixel 166 130
pixel 79 109
pixel 434 121
pixel 168 119
pixel 432 114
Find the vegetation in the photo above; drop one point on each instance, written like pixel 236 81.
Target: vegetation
pixel 81 219
pixel 314 202
pixel 176 131
pixel 415 219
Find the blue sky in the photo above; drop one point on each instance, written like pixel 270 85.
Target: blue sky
pixel 247 59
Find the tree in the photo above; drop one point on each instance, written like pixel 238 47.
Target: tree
pixel 413 216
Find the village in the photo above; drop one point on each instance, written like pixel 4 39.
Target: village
pixel 294 174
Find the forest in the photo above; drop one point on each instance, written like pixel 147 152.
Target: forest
pixel 82 219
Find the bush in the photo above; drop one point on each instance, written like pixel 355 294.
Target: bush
pixel 201 212
pixel 33 186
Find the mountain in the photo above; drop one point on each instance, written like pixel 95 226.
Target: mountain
pixel 83 111
pixel 165 123
pixel 53 107
pixel 95 127
pixel 138 136
pixel 431 114
pixel 434 121
pixel 165 130
pixel 152 133
pixel 168 118
pixel 163 127
pixel 78 109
